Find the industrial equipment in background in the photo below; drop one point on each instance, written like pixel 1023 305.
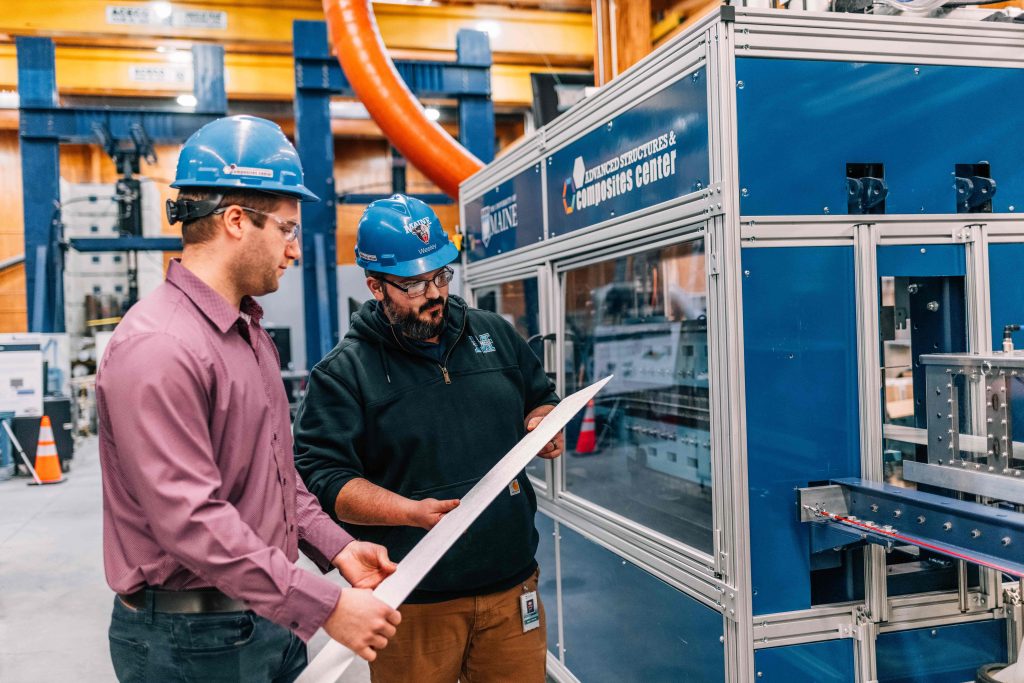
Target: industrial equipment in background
pixel 318 78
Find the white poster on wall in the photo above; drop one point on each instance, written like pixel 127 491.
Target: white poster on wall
pixel 21 379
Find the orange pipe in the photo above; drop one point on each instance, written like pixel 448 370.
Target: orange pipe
pixel 353 32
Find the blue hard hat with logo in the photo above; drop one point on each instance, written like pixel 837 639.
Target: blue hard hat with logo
pixel 241 153
pixel 402 236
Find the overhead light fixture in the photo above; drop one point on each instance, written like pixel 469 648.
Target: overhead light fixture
pixel 491 28
pixel 9 99
pixel 432 113
pixel 162 10
pixel 187 100
pixel 161 49
pixel 348 110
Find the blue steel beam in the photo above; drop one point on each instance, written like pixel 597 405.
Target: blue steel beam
pixel 476 111
pixel 44 125
pixel 105 244
pixel 887 515
pixel 318 76
pixel 317 68
pixel 40 172
pixel 315 144
pixel 77 125
pixel 429 198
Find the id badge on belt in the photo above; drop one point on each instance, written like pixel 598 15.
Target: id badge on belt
pixel 529 610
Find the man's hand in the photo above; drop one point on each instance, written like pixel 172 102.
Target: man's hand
pixel 429 511
pixel 361 622
pixel 364 565
pixel 552 449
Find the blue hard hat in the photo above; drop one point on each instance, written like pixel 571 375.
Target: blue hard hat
pixel 402 236
pixel 241 153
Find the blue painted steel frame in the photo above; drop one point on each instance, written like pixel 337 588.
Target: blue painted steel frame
pixel 318 77
pixel 44 125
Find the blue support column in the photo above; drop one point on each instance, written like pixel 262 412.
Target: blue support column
pixel 40 172
pixel 44 125
pixel 208 79
pixel 318 76
pixel 476 112
pixel 315 144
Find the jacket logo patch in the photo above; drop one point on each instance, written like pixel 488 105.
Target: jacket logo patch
pixel 513 488
pixel 420 228
pixel 483 343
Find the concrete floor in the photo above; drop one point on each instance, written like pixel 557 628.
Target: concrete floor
pixel 54 603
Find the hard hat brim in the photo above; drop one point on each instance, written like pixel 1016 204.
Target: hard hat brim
pixel 441 257
pixel 298 191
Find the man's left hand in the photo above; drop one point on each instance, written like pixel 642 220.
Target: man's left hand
pixel 364 564
pixel 552 449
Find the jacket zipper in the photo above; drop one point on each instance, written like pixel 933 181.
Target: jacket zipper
pixel 444 367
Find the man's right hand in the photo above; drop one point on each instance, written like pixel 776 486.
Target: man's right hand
pixel 361 622
pixel 429 511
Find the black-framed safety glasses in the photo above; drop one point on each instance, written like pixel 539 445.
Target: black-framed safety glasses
pixel 418 288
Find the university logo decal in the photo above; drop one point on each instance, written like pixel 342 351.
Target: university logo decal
pixel 483 343
pixel 420 228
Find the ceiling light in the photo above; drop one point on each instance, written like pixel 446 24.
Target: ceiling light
pixel 432 113
pixel 348 110
pixel 9 99
pixel 162 10
pixel 187 100
pixel 491 28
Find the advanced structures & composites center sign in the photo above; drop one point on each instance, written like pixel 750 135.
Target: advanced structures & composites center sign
pixel 655 151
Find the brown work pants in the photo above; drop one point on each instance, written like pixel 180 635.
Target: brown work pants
pixel 472 640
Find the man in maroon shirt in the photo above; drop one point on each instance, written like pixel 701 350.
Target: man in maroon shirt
pixel 203 512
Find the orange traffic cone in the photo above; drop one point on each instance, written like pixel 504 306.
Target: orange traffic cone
pixel 47 461
pixel 587 441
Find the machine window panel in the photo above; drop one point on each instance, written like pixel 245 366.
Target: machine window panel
pixel 644 449
pixel 518 303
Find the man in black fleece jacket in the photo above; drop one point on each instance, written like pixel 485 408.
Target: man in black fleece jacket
pixel 419 400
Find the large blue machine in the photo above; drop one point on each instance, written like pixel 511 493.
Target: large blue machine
pixel 794 239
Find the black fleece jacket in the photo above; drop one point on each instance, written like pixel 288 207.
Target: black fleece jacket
pixel 379 409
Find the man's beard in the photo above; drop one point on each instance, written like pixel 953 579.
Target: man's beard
pixel 410 323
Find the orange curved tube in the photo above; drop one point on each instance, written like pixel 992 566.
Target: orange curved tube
pixel 364 59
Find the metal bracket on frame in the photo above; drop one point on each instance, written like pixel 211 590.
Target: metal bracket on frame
pixel 965 234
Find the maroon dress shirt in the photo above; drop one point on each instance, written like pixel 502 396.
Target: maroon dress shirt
pixel 199 481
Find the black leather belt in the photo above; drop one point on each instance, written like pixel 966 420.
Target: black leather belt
pixel 198 601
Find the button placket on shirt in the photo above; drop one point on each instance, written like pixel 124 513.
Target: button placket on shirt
pixel 282 477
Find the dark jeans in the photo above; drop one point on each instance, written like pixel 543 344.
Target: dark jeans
pixel 225 647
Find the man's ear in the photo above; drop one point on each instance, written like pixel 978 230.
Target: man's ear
pixel 376 288
pixel 233 218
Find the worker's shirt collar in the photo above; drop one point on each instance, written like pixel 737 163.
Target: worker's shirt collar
pixel 215 307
